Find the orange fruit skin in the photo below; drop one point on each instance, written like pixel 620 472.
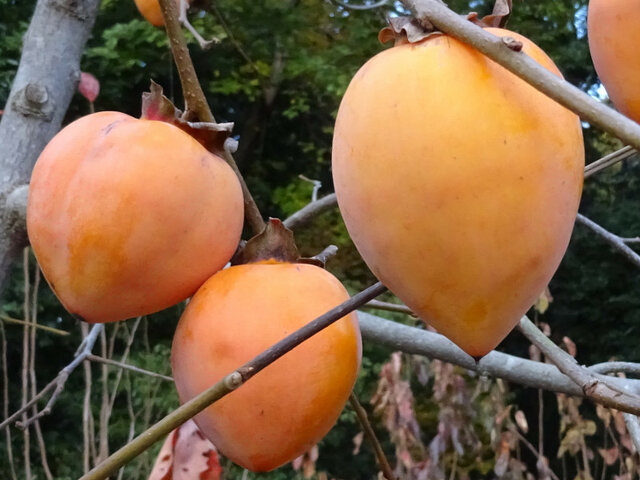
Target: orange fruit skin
pixel 127 217
pixel 458 182
pixel 614 38
pixel 290 405
pixel 150 10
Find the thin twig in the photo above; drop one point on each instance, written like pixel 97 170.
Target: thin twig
pixel 25 364
pixel 591 110
pixel 349 6
pixel 361 413
pixel 608 160
pixel 390 307
pixel 326 254
pixel 615 367
pixel 612 239
pixel 196 103
pixel 87 414
pixel 229 383
pixel 126 366
pixel 630 240
pixel 310 211
pixel 5 400
pixel 593 387
pixel 61 379
pixel 103 419
pixel 32 373
pixel 633 425
pixel 123 360
pixel 232 39
pixel 57 331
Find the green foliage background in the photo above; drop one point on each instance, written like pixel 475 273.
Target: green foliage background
pixel 284 120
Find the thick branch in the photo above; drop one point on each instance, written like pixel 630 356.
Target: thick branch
pixel 495 364
pixel 528 69
pixel 42 89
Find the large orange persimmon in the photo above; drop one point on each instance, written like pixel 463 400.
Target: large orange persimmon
pixel 614 37
pixel 458 182
pixel 290 405
pixel 127 217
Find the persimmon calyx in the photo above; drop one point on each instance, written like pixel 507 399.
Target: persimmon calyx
pixel 413 30
pixel 274 243
pixel 211 135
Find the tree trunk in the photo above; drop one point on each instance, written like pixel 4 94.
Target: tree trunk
pixel 47 76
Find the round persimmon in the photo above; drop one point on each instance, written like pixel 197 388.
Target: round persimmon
pixel 458 182
pixel 150 10
pixel 290 405
pixel 127 217
pixel 614 36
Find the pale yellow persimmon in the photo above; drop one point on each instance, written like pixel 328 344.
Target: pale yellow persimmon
pixel 614 40
pixel 458 182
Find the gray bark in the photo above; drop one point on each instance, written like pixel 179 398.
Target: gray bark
pixel 47 76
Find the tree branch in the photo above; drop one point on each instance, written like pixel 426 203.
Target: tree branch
pixel 528 69
pixel 496 364
pixel 229 383
pixel 608 160
pixel 196 102
pixel 310 211
pixel 596 388
pixel 40 94
pixel 58 382
pixel 361 413
pixel 612 239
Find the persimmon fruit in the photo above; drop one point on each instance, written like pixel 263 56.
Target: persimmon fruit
pixel 458 182
pixel 289 406
pixel 150 10
pixel 614 36
pixel 127 217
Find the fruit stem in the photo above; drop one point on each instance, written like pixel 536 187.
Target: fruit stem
pixel 229 383
pixel 196 103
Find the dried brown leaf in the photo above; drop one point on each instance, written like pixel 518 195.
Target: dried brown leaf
pixel 609 456
pixel 521 421
pixel 357 443
pixel 570 345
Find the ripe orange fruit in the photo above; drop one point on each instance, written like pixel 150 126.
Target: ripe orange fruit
pixel 127 217
pixel 150 10
pixel 614 36
pixel 458 182
pixel 290 405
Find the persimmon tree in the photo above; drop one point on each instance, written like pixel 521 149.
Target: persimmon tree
pixel 565 376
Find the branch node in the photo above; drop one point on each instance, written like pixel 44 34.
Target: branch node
pixel 233 380
pixel 33 100
pixel 512 44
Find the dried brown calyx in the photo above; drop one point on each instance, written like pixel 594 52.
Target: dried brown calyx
pixel 155 106
pixel 275 242
pixel 411 30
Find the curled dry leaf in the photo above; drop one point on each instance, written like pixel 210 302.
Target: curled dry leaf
pixel 357 443
pixel 571 346
pixel 89 86
pixel 187 455
pixel 609 456
pixel 521 421
pixel 155 106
